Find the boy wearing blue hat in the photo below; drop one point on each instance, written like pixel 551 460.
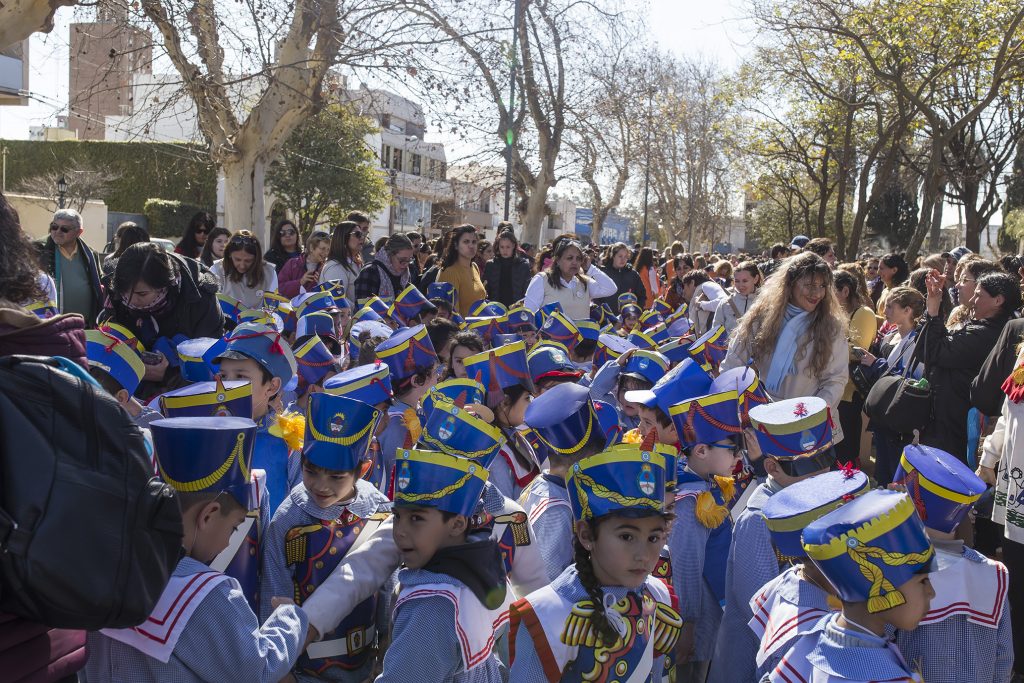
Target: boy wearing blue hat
pixel 634 370
pixel 329 514
pixel 370 384
pixel 566 423
pixel 604 618
pixel 683 381
pixel 709 428
pixel 315 364
pixel 119 369
pixel 202 628
pixel 550 365
pixel 966 635
pixel 794 438
pixel 876 554
pixel 412 362
pixel 790 605
pixel 453 598
pixel 258 354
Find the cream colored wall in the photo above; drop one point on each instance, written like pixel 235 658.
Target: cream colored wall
pixel 36 212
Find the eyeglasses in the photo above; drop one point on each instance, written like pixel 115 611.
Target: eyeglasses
pixel 730 446
pixel 357 234
pixel 288 233
pixel 202 231
pixel 63 228
pixel 404 260
pixel 811 288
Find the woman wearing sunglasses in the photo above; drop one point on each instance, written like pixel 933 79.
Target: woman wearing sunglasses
pixel 284 244
pixel 345 258
pixel 195 236
pixel 242 273
pixel 795 334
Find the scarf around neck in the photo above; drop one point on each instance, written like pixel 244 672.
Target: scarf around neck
pixel 783 364
pixel 387 287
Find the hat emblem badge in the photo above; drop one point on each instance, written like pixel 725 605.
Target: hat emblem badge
pixel 807 441
pixel 643 363
pixel 404 476
pixel 646 480
pixel 447 428
pixel 337 423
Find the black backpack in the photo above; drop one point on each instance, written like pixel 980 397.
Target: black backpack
pixel 88 536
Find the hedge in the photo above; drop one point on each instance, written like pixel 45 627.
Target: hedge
pixel 175 172
pixel 168 218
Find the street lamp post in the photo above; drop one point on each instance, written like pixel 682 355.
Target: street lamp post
pixel 647 170
pixel 62 191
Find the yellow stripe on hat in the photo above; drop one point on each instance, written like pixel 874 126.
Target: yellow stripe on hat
pixel 400 348
pixel 122 349
pixel 207 398
pixel 937 489
pixel 622 453
pixel 377 376
pixel 865 533
pixel 443 403
pixel 798 522
pixel 709 400
pixel 514 347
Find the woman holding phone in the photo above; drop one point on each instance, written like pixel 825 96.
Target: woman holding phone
pixel 303 272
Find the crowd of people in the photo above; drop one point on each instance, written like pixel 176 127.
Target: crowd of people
pixel 452 460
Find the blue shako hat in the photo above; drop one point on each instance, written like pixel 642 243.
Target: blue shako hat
pixel 676 350
pixel 311 302
pixel 370 383
pixel 565 420
pixel 707 419
pixel 627 298
pixel 588 329
pixel 500 368
pixel 262 317
pixel 196 358
pixel 869 547
pixel 320 323
pixel 550 360
pixel 608 419
pixel 680 383
pixel 487 309
pixel 616 480
pixel 453 430
pixel 338 431
pixel 366 313
pixel 410 303
pixel 661 306
pixel 641 340
pixel 797 432
pixel 487 327
pixel 406 351
pixel 265 346
pixel 557 327
pixel 229 306
pixel 790 510
pixel 335 288
pixel 650 318
pixel 747 384
pixel 630 310
pixel 314 360
pixel 459 391
pixel 545 311
pixel 438 480
pixel 503 339
pixel 649 366
pixel 117 358
pixel 710 348
pixel 942 487
pixel 206 454
pixel 659 334
pixel 443 291
pixel 610 347
pixel 209 399
pixel 520 318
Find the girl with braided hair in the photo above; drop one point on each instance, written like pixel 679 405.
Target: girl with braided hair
pixel 604 617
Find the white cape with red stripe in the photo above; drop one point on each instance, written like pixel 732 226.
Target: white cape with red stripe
pixel 778 618
pixel 157 636
pixel 476 627
pixel 974 589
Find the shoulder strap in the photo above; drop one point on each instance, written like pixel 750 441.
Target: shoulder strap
pixel 732 305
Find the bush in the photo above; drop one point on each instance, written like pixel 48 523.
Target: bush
pixel 168 217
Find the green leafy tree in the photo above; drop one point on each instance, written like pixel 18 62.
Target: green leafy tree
pixel 894 215
pixel 326 169
pixel 1013 205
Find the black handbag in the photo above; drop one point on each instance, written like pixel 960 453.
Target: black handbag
pixel 897 403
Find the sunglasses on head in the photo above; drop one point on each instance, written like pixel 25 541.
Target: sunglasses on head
pixel 243 240
pixel 63 228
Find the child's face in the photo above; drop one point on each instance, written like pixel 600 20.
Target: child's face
pixel 327 487
pixel 419 532
pixel 529 337
pixel 213 530
pixel 649 420
pixel 918 592
pixel 384 417
pixel 628 408
pixel 459 354
pixel 341 319
pixel 249 370
pixel 427 316
pixel 717 459
pixel 625 550
pixel 516 413
pixel 629 322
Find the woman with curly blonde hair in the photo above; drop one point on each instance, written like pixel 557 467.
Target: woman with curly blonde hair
pixel 795 333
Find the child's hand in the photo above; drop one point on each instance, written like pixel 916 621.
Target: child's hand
pixel 897 487
pixel 277 602
pixel 312 635
pixel 624 358
pixel 867 358
pixel 987 475
pixel 753 447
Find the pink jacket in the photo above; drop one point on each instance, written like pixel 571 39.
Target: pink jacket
pixel 291 275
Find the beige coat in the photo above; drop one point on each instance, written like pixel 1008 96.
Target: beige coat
pixel 803 382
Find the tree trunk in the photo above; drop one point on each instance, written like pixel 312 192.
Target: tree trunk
pixel 974 223
pixel 21 18
pixel 931 185
pixel 533 219
pixel 244 200
pixel 936 233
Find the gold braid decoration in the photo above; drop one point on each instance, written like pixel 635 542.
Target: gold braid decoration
pixel 212 478
pixel 417 497
pixel 606 493
pixel 892 597
pixel 340 440
pixel 578 446
pixel 450 450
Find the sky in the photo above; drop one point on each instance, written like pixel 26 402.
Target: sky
pixel 689 27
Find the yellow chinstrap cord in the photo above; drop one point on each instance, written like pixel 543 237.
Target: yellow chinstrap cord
pixel 878 602
pixel 215 476
pixel 342 440
pixel 569 451
pixel 447 490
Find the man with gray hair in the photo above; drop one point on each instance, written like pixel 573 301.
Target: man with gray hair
pixel 72 265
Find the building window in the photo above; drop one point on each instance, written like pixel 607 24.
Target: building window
pixel 443 173
pixel 416 161
pixel 385 120
pixel 385 156
pixel 396 159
